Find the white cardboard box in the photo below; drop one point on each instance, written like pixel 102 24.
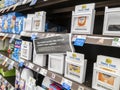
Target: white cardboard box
pixel 56 63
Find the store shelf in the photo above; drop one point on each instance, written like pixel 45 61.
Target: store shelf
pixel 2 79
pixel 97 39
pixel 55 77
pixel 15 64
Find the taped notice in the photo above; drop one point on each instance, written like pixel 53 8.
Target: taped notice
pixel 54 44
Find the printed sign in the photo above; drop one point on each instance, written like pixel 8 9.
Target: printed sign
pixel 55 44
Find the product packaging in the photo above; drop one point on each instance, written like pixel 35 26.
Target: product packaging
pixel 39 59
pixel 111 21
pixel 28 22
pixel 17 50
pixel 4 23
pixel 75 67
pixel 26 50
pixel 56 63
pixel 83 19
pixel 106 73
pixel 39 21
pixel 19 24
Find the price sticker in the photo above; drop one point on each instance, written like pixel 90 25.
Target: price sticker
pixel 66 83
pixel 4 37
pixel 43 71
pixel 116 42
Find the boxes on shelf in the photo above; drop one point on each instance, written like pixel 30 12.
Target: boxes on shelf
pixel 28 22
pixel 19 24
pixel 56 63
pixel 83 19
pixel 17 50
pixel 39 59
pixel 39 21
pixel 75 67
pixel 111 21
pixel 106 73
pixel 26 50
pixel 4 23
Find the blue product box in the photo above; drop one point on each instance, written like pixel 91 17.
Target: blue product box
pixel 12 21
pixel 6 3
pixel 17 49
pixel 12 2
pixel 4 24
pixel 19 24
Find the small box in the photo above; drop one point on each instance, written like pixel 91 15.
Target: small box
pixel 4 23
pixel 19 24
pixel 111 21
pixel 83 19
pixel 26 50
pixel 39 21
pixel 29 22
pixel 56 63
pixel 106 73
pixel 75 67
pixel 39 59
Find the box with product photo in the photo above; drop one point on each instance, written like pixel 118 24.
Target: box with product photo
pixel 111 21
pixel 39 59
pixel 39 21
pixel 75 67
pixel 28 22
pixel 83 19
pixel 26 50
pixel 56 63
pixel 106 73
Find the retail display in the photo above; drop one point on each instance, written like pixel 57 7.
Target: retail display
pixel 83 19
pixel 39 21
pixel 28 22
pixel 17 50
pixel 106 75
pixel 56 63
pixel 26 50
pixel 111 21
pixel 39 59
pixel 75 67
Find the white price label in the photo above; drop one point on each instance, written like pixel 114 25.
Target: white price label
pixel 43 71
pixel 81 88
pixel 68 82
pixel 116 42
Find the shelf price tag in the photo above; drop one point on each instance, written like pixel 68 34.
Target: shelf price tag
pixel 80 40
pixel 81 88
pixel 11 40
pixel 43 71
pixel 116 42
pixel 4 37
pixel 33 2
pixel 66 83
pixel 30 65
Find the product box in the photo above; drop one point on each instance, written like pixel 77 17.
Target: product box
pixel 4 23
pixel 83 19
pixel 26 50
pixel 106 73
pixel 39 21
pixel 12 21
pixel 30 84
pixel 1 4
pixel 19 24
pixel 17 50
pixel 111 21
pixel 28 22
pixel 56 63
pixel 39 59
pixel 75 67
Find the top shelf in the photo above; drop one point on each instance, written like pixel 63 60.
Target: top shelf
pixel 59 6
